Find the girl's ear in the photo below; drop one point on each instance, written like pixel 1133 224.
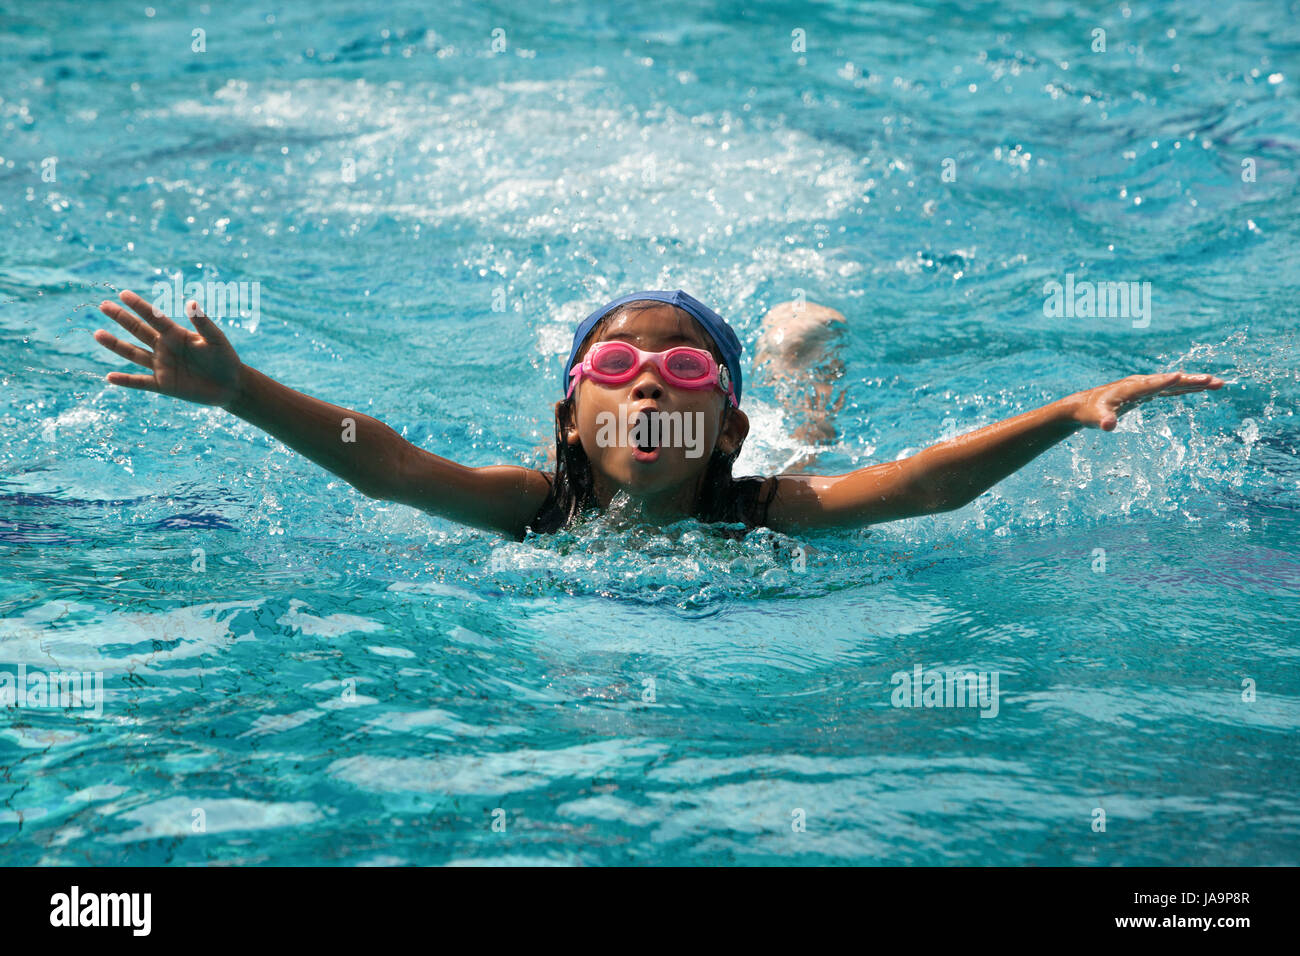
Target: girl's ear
pixel 567 420
pixel 733 432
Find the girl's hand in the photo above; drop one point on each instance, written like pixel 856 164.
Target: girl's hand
pixel 197 366
pixel 1101 407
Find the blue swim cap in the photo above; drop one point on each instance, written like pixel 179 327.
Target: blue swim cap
pixel 723 337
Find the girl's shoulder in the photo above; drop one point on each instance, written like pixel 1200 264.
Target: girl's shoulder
pixel 750 499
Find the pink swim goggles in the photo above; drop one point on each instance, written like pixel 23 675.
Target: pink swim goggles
pixel 615 362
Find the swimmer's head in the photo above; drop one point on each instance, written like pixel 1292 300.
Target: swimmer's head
pixel 726 345
pixel 645 433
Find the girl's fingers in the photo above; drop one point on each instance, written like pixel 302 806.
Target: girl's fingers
pixel 129 352
pixel 202 324
pixel 146 382
pixel 1152 384
pixel 1201 379
pixel 1143 388
pixel 1122 396
pixel 1172 383
pixel 160 322
pixel 129 322
pixel 1182 383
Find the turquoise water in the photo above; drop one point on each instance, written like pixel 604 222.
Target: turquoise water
pixel 331 679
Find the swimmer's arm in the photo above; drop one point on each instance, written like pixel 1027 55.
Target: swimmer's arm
pixel 382 464
pixel 201 366
pixel 502 498
pixel 954 473
pixel 940 478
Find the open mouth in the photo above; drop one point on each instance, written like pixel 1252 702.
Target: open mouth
pixel 646 448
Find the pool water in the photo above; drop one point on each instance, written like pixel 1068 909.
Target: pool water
pixel 295 674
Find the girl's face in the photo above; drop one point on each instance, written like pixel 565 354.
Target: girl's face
pixel 604 422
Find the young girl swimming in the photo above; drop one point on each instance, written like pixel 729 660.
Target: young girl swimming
pixel 642 367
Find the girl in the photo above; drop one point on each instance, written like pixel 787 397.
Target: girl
pixel 639 362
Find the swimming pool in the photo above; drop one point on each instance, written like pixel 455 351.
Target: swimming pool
pixel 295 674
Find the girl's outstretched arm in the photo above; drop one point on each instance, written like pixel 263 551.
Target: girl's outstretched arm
pixel 202 366
pixel 953 473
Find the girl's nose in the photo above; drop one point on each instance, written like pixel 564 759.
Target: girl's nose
pixel 647 383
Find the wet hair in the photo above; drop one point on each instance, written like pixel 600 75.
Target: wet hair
pixel 722 498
